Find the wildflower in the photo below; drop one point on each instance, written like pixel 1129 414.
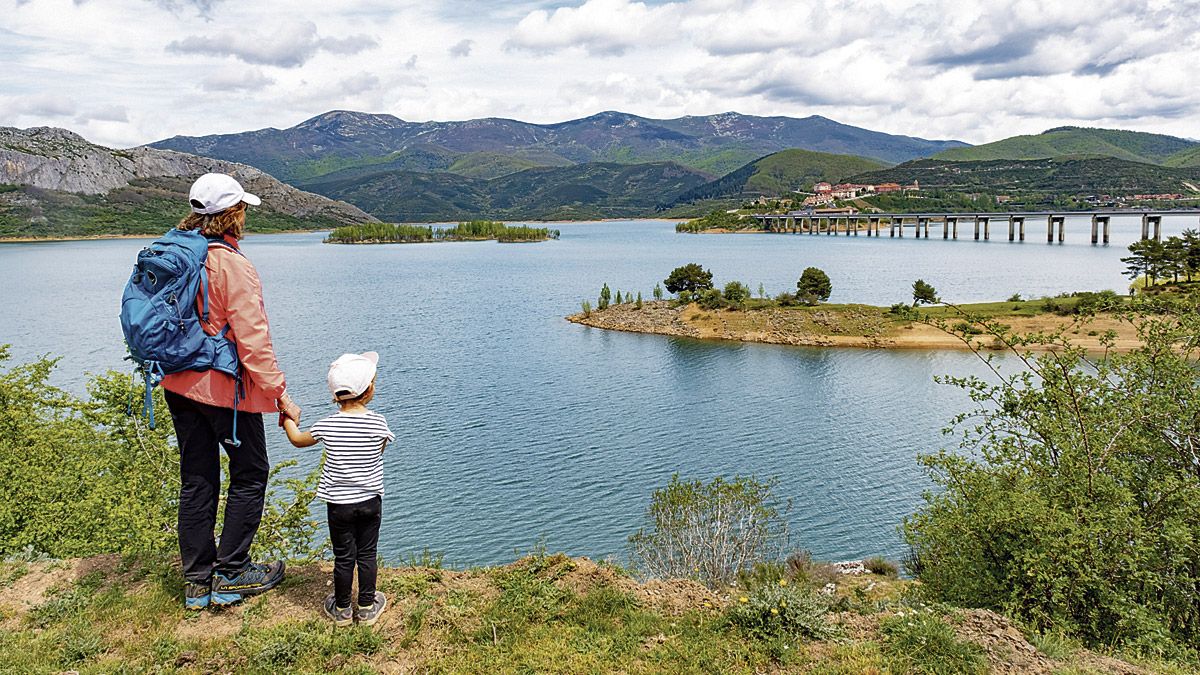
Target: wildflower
pixel 774 611
pixel 783 582
pixel 783 603
pixel 743 599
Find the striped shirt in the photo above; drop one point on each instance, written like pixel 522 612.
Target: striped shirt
pixel 353 456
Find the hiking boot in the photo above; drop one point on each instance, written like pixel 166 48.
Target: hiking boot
pixel 341 616
pixel 367 616
pixel 196 596
pixel 252 579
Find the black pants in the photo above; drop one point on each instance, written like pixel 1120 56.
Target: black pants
pixel 354 533
pixel 202 430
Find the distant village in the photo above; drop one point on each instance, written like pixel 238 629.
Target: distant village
pixel 825 193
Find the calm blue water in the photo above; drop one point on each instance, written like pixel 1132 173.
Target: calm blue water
pixel 514 425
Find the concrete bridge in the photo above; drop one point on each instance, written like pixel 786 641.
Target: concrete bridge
pixel 810 222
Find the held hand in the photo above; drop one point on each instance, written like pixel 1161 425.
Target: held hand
pixel 288 408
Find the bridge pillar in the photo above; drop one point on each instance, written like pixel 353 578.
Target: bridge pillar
pixel 954 228
pixel 1012 228
pixel 946 228
pixel 987 229
pixel 1105 230
pixel 1021 228
pixel 1049 229
pixel 1095 228
pixel 1062 228
pixel 1145 226
pixel 856 227
pixel 927 228
pixel 1157 222
pixel 977 220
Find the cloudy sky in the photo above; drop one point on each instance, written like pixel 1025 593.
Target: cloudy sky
pixel 125 72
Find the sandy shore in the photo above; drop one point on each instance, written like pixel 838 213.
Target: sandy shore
pixel 857 326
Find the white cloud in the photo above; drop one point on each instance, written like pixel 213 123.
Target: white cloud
pixel 290 45
pixel 599 27
pixel 236 79
pixel 976 70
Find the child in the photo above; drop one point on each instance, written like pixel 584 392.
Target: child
pixel 351 484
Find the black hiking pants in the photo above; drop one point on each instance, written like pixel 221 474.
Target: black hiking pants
pixel 202 430
pixel 354 533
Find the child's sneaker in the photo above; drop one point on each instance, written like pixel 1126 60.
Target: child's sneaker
pixel 253 579
pixel 341 616
pixel 196 596
pixel 367 616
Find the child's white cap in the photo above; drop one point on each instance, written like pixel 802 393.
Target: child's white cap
pixel 351 374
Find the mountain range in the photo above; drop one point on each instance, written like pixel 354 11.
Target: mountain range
pixel 53 182
pixel 486 148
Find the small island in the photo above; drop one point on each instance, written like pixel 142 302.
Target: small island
pixel 474 230
pixel 1094 321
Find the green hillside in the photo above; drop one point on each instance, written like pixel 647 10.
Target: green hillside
pixel 1134 146
pixel 1183 158
pixel 495 164
pixel 781 173
pixel 1068 175
pixel 580 191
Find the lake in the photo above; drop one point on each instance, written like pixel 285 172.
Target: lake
pixel 514 426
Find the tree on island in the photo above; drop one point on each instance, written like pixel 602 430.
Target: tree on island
pixel 605 297
pixel 1146 258
pixel 814 285
pixel 689 278
pixel 923 293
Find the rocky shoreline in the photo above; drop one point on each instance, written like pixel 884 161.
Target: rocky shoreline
pixel 854 326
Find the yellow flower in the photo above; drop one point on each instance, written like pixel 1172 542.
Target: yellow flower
pixel 783 603
pixel 783 582
pixel 774 611
pixel 742 599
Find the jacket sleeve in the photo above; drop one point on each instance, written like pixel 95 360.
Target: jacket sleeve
pixel 247 317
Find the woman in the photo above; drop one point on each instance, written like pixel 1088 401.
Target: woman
pixel 200 404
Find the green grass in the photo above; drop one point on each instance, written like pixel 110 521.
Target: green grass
pixel 529 616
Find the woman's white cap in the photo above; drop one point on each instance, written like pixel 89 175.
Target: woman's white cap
pixel 215 192
pixel 351 374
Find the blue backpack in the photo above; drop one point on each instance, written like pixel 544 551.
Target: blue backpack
pixel 159 318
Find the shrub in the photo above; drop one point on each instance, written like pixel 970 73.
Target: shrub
pixel 781 610
pixel 709 531
pixel 786 299
pixel 882 567
pixel 586 307
pixel 605 297
pixel 736 293
pixel 84 477
pixel 1015 297
pixel 710 299
pixel 919 641
pixel 658 292
pixel 1075 503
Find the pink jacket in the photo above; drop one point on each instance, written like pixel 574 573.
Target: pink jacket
pixel 235 298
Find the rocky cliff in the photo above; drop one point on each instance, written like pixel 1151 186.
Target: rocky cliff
pixel 58 160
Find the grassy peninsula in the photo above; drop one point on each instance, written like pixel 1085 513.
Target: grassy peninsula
pixel 867 326
pixel 474 230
